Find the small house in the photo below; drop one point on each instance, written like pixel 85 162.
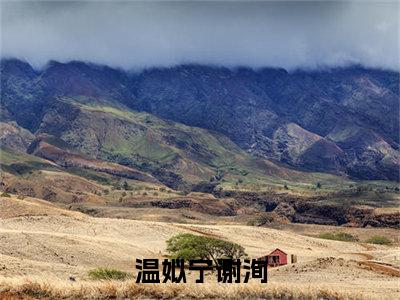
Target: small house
pixel 275 258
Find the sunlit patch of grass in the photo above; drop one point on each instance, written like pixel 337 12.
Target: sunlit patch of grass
pixel 338 236
pixel 379 240
pixel 108 274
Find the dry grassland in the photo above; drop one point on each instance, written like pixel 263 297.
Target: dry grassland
pixel 42 246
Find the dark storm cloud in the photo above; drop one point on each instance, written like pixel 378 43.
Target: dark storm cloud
pixel 138 34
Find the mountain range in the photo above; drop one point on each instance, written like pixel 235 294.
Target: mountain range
pixel 192 124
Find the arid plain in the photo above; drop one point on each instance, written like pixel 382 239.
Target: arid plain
pixel 43 246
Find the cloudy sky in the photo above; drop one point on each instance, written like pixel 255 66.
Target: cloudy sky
pixel 134 34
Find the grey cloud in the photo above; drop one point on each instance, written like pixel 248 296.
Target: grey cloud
pixel 254 34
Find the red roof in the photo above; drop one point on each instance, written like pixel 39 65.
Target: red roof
pixel 277 249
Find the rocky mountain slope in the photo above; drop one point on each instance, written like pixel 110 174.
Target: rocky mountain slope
pixel 337 121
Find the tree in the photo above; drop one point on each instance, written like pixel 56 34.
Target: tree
pixel 125 186
pixel 189 246
pixel 318 185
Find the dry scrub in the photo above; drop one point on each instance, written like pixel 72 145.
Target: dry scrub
pixel 56 289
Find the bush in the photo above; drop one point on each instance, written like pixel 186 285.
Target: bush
pixel 5 194
pixel 108 274
pixel 189 246
pixel 126 186
pixel 338 236
pixel 203 187
pixel 261 219
pixel 380 240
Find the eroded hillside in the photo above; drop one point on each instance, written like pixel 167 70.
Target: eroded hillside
pixel 338 121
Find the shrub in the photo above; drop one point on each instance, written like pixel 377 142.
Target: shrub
pixel 108 274
pixel 5 194
pixel 380 240
pixel 261 219
pixel 189 246
pixel 203 187
pixel 338 236
pixel 125 186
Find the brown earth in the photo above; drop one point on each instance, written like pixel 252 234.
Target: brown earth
pixel 65 158
pixel 62 244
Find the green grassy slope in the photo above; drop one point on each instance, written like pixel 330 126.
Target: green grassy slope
pixel 188 154
pixel 19 163
pixel 180 156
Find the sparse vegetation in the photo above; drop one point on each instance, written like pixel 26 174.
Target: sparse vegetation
pixel 57 289
pixel 379 240
pixel 132 237
pixel 338 236
pixel 108 274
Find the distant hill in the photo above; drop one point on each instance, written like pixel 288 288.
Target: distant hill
pixel 338 121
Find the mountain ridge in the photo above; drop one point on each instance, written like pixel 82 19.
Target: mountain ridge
pixel 340 121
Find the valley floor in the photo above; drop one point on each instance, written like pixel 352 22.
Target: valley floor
pixel 41 249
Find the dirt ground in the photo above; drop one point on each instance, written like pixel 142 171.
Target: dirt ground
pixel 40 240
